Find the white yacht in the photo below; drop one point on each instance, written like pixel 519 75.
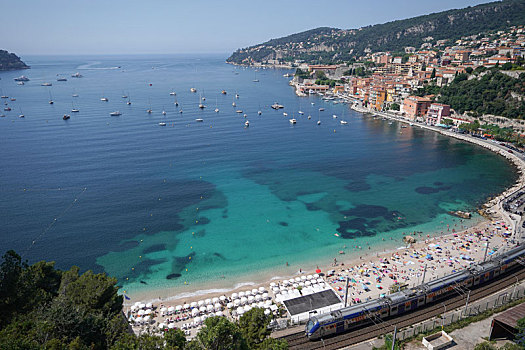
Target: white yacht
pixel 76 75
pixel 285 114
pixel 293 121
pixel 46 84
pixel 193 90
pixel 162 124
pixel 115 114
pixel 247 123
pixel 301 112
pixel 199 120
pixel 259 112
pixel 239 111
pixel 343 122
pixel 105 99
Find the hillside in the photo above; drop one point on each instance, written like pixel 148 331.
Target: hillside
pixel 331 45
pixel 10 61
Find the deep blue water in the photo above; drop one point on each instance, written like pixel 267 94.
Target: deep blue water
pixel 190 202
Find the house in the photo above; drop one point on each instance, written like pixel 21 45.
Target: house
pixel 416 107
pixel 436 113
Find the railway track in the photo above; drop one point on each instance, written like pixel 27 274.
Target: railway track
pixel 300 341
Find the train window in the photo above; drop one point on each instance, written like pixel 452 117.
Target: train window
pixel 394 309
pixel 309 326
pixel 421 300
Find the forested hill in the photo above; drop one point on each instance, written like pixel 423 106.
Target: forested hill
pixel 336 45
pixel 10 61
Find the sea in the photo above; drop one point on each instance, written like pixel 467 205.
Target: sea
pixel 189 205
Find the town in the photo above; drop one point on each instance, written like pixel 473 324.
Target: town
pixel 403 83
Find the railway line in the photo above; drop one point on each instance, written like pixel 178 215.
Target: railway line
pixel 300 341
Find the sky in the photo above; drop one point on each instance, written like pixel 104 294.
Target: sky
pixel 55 27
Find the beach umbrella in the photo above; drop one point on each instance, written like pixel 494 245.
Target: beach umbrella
pixel 307 283
pixel 309 277
pixel 229 305
pixel 202 309
pixel 137 303
pixel 149 305
pixel 272 284
pixel 258 297
pixel 222 298
pixel 275 289
pixel 215 300
pixel 240 311
pixel 186 306
pixel 285 282
pixel 141 312
pixel 162 325
pixel 297 279
pixel 235 296
pixel 265 296
pixel 147 318
pixel 248 292
pixel 251 298
pixel 197 319
pixel 171 309
pixel 301 284
pixel 217 307
pixel 133 308
pixel 295 285
pixel 320 280
pixel 255 291
pixel 260 304
pixel 194 304
pixel 244 300
pixel 303 278
pixel 163 311
pixel 201 302
pixel 268 302
pixel 139 319
pixel 237 302
pixel 219 313
pixel 209 308
pixel 207 301
pixel 267 312
pixel 318 271
pixel 241 294
pixel 247 308
pixel 194 312
pixel 262 289
pixel 171 325
pixel 178 307
pixel 147 311
pixel 291 281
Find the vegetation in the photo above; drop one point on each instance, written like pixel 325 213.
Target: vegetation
pixel 489 93
pixel 10 61
pixel 45 308
pixel 331 45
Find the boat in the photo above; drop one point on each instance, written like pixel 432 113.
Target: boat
pixel 247 123
pixel 74 95
pixel 318 122
pixel 176 103
pixel 277 106
pixel 223 92
pixel 309 117
pixel 124 96
pixel 149 111
pixel 234 104
pixel 73 109
pixel 404 126
pixel 238 111
pixel 20 83
pixel 199 120
pixel 216 110
pixel 201 106
pixel 287 75
pixel 162 124
pixel 7 109
pixel 259 112
pixel 12 99
pixel 163 112
pixel 293 121
pixel 105 99
pixel 76 75
pixel 66 117
pixel 21 116
pixel 173 93
pixel 180 111
pixel 255 80
pixel 236 95
pixel 2 115
pixel 115 114
pixel 285 114
pixel 21 78
pixel 321 109
pixel 129 101
pixel 301 112
pixel 46 84
pixel 193 90
pixel 343 122
pixel 334 116
pixel 245 115
pixel 61 79
pixel 50 98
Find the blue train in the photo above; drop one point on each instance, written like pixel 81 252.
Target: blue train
pixel 404 301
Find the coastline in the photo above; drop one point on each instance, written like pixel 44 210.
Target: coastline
pixel 492 210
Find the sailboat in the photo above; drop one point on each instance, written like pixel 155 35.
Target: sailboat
pixel 129 100
pixel 176 103
pixel 73 109
pixel 233 103
pixel 173 93
pixel 319 116
pixel 343 121
pixel 105 99
pixel 21 115
pixel 201 106
pixel 163 111
pixel 216 107
pixel 124 95
pixel 50 98
pixel 255 80
pixel 193 90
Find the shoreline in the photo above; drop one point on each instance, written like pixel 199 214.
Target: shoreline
pixel 492 210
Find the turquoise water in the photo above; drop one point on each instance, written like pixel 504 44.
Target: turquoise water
pixel 215 203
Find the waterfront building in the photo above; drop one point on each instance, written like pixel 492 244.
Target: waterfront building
pixel 416 107
pixel 436 113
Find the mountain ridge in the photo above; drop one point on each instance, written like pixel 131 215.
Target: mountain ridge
pixel 332 45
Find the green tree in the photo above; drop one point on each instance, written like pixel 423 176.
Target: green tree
pixel 175 339
pixel 395 107
pixel 433 75
pixel 254 327
pixel 220 334
pixel 485 346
